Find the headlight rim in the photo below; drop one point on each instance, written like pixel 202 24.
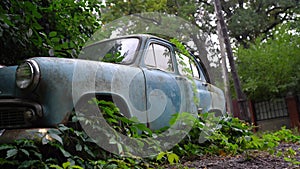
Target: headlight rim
pixel 35 75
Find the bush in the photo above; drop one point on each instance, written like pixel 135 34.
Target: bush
pixel 70 147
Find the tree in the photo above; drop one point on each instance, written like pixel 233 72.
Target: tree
pixel 248 19
pixel 243 111
pixel 45 28
pixel 271 67
pixel 198 38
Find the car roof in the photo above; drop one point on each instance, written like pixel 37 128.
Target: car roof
pixel 141 36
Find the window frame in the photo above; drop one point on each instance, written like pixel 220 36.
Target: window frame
pixel 163 44
pixel 135 56
pixel 201 71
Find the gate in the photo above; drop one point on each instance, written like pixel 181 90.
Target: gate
pixel 273 114
pixel 271 109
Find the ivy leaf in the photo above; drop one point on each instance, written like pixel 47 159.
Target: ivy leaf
pixel 45 140
pixel 52 34
pixel 64 152
pixel 86 148
pixel 28 164
pixel 160 156
pixel 63 127
pixel 173 158
pixel 11 153
pixel 6 20
pixel 111 166
pixel 78 147
pixel 56 166
pixel 37 26
pixel 36 14
pixel 37 154
pixel 5 146
pixel 66 164
pixel 55 39
pixel 56 137
pixel 142 127
pixel 25 152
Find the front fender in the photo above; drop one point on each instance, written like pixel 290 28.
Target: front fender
pixel 7 81
pixel 54 91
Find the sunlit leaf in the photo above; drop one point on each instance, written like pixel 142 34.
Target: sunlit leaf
pixel 11 153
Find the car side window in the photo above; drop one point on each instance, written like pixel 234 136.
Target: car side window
pixel 159 56
pixel 187 66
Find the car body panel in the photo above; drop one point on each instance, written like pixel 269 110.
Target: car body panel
pixel 149 94
pixel 163 100
pixel 7 81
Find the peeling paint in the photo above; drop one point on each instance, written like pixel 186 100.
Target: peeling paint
pixel 151 95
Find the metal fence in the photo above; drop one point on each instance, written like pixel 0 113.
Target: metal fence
pixel 270 109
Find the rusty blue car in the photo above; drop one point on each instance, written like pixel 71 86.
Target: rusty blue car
pixel 147 77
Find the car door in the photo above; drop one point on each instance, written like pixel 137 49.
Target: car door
pixel 188 67
pixel 166 92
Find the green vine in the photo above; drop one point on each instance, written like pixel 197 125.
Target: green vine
pixel 182 50
pixel 68 147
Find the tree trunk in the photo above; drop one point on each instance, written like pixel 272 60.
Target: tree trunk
pixel 225 72
pixel 243 109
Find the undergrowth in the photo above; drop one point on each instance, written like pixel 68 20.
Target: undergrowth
pixel 69 147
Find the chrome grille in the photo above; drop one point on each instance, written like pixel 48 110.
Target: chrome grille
pixel 12 118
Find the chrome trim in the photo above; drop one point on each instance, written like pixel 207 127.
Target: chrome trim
pixel 36 73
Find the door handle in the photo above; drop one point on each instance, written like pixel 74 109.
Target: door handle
pixel 179 78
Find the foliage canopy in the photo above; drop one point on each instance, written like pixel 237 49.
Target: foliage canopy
pixel 45 28
pixel 249 19
pixel 271 67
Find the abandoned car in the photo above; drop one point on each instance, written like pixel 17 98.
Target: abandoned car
pixel 146 76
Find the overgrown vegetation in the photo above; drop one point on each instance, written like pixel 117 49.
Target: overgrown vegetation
pixel 60 28
pixel 270 66
pixel 45 28
pixel 68 147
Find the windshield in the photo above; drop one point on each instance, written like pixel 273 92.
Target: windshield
pixel 113 51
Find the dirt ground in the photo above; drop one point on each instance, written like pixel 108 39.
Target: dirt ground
pixel 257 160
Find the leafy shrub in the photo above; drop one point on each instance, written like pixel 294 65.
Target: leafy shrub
pixel 70 147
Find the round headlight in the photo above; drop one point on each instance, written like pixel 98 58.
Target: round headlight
pixel 27 74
